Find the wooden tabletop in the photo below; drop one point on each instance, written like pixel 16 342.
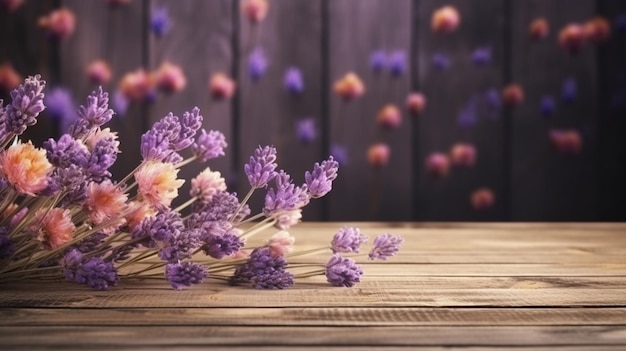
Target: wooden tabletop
pixel 501 286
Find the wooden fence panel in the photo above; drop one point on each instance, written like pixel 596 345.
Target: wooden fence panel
pixel 288 38
pixel 356 30
pixel 547 185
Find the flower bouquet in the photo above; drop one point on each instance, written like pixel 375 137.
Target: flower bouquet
pixel 63 216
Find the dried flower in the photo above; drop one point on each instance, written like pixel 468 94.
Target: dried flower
pixel 26 168
pixel 342 271
pixel 397 63
pixel 264 271
pixel 99 72
pixel 137 85
pixel 221 241
pixel 415 103
pixel 26 104
pixel 569 90
pixel 547 106
pixel 572 38
pixel 221 86
pixel 385 246
pixel 378 60
pixel 11 5
pixel 349 87
pixel 281 243
pixel 288 219
pixel 9 78
pixel 160 21
pixel 463 154
pixel 53 228
pixel 539 28
pixel 339 153
pixel 348 239
pixel 93 272
pixel 104 201
pixel 206 184
pixel 378 155
pixel 437 164
pixel 60 106
pixel 481 56
pixel 183 275
pixel 389 117
pixel 482 198
pixel 170 78
pixel 209 145
pixel 597 30
pixel 284 196
pixel 445 20
pixel 59 24
pixel 320 181
pixel 566 141
pixel 157 183
pixel 261 168
pixel 255 10
pixel 441 61
pixel 513 95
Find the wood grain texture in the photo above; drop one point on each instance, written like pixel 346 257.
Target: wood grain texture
pixel 543 188
pixel 289 37
pixel 356 29
pixel 450 92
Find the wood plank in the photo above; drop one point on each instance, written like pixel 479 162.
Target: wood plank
pixel 306 316
pixel 356 29
pixel 449 92
pixel 344 348
pixel 289 36
pixel 114 35
pixel 298 336
pixel 543 185
pixel 199 41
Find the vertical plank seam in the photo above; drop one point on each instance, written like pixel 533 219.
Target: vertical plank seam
pixel 146 57
pixel 600 91
pixel 235 110
pixel 507 75
pixel 324 98
pixel 415 86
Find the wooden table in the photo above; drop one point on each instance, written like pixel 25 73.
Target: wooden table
pixel 453 287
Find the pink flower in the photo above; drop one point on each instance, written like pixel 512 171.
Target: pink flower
pixel 101 134
pixel 572 38
pixel 378 155
pixel 566 141
pixel 137 211
pixel 99 72
pixel 597 30
pixel 482 198
pixel 9 78
pixel 59 24
pixel 104 201
pixel 445 20
pixel 157 183
pixel 281 243
pixel 513 95
pixel 255 10
pixel 463 154
pixel 389 117
pixel 287 219
pixel 438 164
pixel 221 86
pixel 137 85
pixel 539 28
pixel 53 228
pixel 170 78
pixel 349 86
pixel 206 184
pixel 25 167
pixel 416 103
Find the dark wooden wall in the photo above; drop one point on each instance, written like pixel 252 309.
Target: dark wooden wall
pixel 327 38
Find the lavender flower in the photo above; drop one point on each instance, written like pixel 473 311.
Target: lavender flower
pixel 220 243
pixel 95 114
pixel 493 100
pixel 340 153
pixel 397 63
pixel 262 167
pixel 385 245
pixel 569 90
pixel 264 271
pixel 467 115
pixel 183 275
pixel 155 145
pixel 71 179
pixel 160 228
pixel 181 246
pixel 348 239
pixel 26 104
pixel 66 152
pixel 481 56
pixel 60 106
pixel 305 130
pixel 547 106
pixel 209 145
pixel 221 207
pixel 285 196
pixel 160 21
pixel 94 272
pixel 257 64
pixel 341 271
pixel 441 61
pixel 294 82
pixel 378 60
pixel 320 181
pixel 120 103
pixel 189 126
pixel 91 242
pixel 103 156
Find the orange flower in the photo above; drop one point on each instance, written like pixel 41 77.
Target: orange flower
pixel 104 201
pixel 137 85
pixel 170 78
pixel 25 167
pixel 389 117
pixel 255 10
pixel 157 183
pixel 349 86
pixel 99 72
pixel 445 20
pixel 378 155
pixel 59 23
pixel 463 154
pixel 53 228
pixel 221 86
pixel 539 28
pixel 206 184
pixel 597 30
pixel 572 38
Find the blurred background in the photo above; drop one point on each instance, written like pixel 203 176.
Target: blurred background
pixel 461 110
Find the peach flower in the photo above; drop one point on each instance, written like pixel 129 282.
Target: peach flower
pixel 221 86
pixel 281 243
pixel 206 184
pixel 445 20
pixel 349 86
pixel 572 38
pixel 463 154
pixel 26 168
pixel 539 28
pixel 378 155
pixel 287 219
pixel 9 78
pixel 513 95
pixel 99 72
pixel 137 211
pixel 438 164
pixel 170 78
pixel 597 30
pixel 255 10
pixel 415 103
pixel 157 183
pixel 389 117
pixel 53 228
pixel 482 198
pixel 104 201
pixel 137 85
pixel 101 134
pixel 59 23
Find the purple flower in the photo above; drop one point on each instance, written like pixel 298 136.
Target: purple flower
pixel 221 207
pixel 340 153
pixel 93 272
pixel 397 63
pixel 66 151
pixel 320 181
pixel 25 106
pixel 103 156
pixel 156 146
pixel 60 106
pixel 120 102
pixel 285 196
pixel 493 100
pixel 170 135
pixel 385 245
pixel 341 271
pixel 91 242
pixel 219 243
pixel 467 115
pixel 378 60
pixel 95 114
pixel 294 82
pixel 348 239
pixel 547 106
pixel 159 228
pixel 262 167
pixel 305 130
pixel 257 64
pixel 181 246
pixel 183 275
pixel 189 126
pixel 264 271
pixel 209 145
pixel 71 179
pixel 160 21
pixel 569 90
pixel 481 56
pixel 441 61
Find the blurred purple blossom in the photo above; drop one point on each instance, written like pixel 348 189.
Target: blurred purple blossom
pixel 620 23
pixel 467 116
pixel 378 60
pixel 305 130
pixel 569 90
pixel 339 153
pixel 397 63
pixel 60 106
pixel 257 64
pixel 294 82
pixel 481 56
pixel 440 61
pixel 493 100
pixel 120 103
pixel 160 21
pixel 548 106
